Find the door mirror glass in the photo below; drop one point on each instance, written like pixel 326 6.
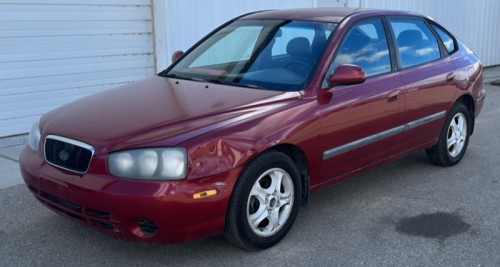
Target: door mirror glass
pixel 347 75
pixel 176 55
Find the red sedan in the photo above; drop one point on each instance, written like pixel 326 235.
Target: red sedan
pixel 236 134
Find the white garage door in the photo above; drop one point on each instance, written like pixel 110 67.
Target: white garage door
pixel 55 51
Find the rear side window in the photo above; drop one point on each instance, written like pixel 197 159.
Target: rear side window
pixel 366 46
pixel 448 42
pixel 416 43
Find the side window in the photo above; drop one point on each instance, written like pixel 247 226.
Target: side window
pixel 448 42
pixel 366 46
pixel 416 43
pixel 224 51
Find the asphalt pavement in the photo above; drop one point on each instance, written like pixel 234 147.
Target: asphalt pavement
pixel 406 213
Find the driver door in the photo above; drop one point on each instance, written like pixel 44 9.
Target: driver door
pixel 362 123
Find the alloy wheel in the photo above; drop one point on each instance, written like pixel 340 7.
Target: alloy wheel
pixel 270 202
pixel 457 134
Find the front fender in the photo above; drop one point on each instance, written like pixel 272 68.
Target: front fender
pixel 235 145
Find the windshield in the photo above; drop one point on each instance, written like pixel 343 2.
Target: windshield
pixel 266 54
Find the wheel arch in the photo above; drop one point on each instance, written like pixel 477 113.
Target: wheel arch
pixel 300 159
pixel 468 102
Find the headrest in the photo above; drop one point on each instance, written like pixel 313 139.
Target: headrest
pixel 298 47
pixel 410 38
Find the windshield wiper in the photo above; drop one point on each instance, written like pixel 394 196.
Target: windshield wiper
pixel 215 81
pixel 234 84
pixel 183 77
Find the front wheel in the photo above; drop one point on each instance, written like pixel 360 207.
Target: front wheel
pixel 454 137
pixel 264 203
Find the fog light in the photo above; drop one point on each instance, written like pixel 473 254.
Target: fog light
pixel 147 226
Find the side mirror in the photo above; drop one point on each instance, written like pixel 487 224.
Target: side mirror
pixel 176 55
pixel 347 74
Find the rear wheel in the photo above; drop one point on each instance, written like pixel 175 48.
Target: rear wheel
pixel 264 203
pixel 454 137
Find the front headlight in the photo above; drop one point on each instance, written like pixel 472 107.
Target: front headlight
pixel 34 136
pixel 149 164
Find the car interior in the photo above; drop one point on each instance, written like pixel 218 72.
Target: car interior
pixel 292 67
pixel 299 60
pixel 413 49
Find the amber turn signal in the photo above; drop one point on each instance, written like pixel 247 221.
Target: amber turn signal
pixel 205 194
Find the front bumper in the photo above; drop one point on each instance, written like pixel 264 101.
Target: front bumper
pixel 114 206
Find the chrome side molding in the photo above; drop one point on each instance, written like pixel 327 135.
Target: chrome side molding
pixel 382 135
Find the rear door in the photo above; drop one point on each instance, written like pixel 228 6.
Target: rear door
pixel 429 78
pixel 362 123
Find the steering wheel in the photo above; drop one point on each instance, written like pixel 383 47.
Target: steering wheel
pixel 298 62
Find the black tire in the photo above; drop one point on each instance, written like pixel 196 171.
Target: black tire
pixel 439 154
pixel 237 229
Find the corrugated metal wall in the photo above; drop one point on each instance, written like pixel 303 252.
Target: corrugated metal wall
pixel 476 23
pixel 190 20
pixel 56 51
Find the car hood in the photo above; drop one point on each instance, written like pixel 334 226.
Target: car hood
pixel 158 111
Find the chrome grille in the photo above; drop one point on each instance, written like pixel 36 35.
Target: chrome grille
pixel 68 154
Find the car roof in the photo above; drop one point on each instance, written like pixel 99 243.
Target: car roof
pixel 322 14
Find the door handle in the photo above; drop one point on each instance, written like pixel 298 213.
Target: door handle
pixel 394 95
pixel 450 77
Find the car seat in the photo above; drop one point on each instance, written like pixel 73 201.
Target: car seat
pixel 409 42
pixel 299 60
